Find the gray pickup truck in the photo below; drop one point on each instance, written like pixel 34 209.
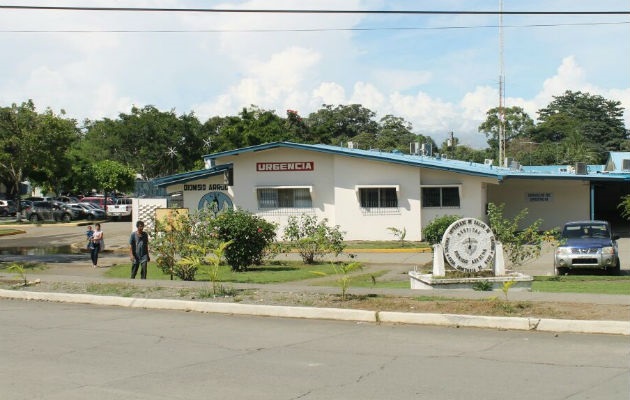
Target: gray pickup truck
pixel 587 245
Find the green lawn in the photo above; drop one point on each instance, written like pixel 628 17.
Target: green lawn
pixel 582 284
pixel 273 273
pixel 384 244
pixel 9 231
pixel 290 271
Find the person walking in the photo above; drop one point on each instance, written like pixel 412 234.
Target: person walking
pixel 139 251
pixel 97 244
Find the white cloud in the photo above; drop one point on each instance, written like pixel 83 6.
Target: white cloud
pixel 398 80
pixel 328 93
pixel 447 85
pixel 367 95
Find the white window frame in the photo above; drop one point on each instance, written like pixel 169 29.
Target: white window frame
pixel 459 193
pixel 378 210
pixel 283 187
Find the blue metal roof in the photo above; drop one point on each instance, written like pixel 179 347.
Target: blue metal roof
pixel 191 176
pixel 438 163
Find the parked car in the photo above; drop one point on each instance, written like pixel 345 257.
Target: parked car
pixel 88 211
pixel 98 200
pixel 7 208
pixel 24 204
pixel 39 198
pixel 587 245
pixel 67 199
pixel 46 211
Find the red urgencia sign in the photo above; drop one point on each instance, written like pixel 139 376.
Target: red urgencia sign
pixel 287 166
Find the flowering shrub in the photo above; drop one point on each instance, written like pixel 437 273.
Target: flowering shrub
pixel 313 239
pixel 250 236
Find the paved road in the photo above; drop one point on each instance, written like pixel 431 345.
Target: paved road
pixel 51 351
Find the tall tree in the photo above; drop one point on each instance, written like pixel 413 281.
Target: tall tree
pixel 517 124
pixel 110 176
pixel 152 142
pixel 598 120
pixel 34 146
pixel 332 125
pixel 395 133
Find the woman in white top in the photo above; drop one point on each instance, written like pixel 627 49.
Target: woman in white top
pixel 97 243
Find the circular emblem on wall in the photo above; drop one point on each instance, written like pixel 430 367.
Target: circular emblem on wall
pixel 216 202
pixel 469 245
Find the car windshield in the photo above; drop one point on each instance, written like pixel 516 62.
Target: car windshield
pixel 587 230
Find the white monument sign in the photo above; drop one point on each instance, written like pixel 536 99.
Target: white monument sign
pixel 469 245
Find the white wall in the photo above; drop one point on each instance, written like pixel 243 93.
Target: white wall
pixel 567 200
pixel 352 172
pixel 473 194
pixel 144 210
pixel 335 178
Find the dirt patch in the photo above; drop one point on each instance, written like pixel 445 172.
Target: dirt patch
pixel 491 306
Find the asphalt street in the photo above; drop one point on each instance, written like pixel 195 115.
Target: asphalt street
pixel 56 351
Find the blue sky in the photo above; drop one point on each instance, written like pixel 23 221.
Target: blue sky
pixel 439 72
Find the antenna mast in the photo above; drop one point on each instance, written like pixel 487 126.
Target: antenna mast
pixel 501 89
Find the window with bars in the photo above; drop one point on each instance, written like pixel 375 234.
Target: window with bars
pixel 384 197
pixel 437 197
pixel 271 198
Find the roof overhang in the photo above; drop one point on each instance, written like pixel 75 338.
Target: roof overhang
pixel 191 176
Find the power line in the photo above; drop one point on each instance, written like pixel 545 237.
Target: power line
pixel 272 30
pixel 296 11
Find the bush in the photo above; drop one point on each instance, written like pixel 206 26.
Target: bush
pixel 435 229
pixel 250 237
pixel 313 239
pixel 520 244
pixel 168 245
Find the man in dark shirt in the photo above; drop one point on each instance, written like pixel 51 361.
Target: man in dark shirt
pixel 139 251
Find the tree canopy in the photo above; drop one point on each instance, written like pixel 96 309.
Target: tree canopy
pixel 55 153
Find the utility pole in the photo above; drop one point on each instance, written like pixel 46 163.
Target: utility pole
pixel 450 143
pixel 501 89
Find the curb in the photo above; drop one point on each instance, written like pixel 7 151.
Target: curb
pixel 447 320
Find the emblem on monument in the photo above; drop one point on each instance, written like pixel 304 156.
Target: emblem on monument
pixel 469 245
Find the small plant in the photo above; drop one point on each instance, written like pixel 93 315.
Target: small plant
pixel 313 239
pixel 399 234
pixel 520 244
pixel 342 271
pixel 506 287
pixel 482 286
pixel 19 269
pixel 215 259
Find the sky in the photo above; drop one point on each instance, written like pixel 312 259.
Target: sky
pixel 438 72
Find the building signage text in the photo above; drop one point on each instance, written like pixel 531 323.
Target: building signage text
pixel 287 166
pixel 203 186
pixel 539 197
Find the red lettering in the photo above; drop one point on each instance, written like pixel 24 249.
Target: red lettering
pixel 285 166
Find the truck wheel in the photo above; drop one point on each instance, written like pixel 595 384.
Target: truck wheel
pixel 66 218
pixel 560 271
pixel 616 270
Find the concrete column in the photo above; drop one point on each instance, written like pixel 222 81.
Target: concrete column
pixel 499 261
pixel 438 260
